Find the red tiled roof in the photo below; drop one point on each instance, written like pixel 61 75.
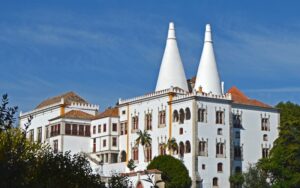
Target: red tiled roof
pixel 75 114
pixel 110 112
pixel 68 98
pixel 239 97
pixel 151 171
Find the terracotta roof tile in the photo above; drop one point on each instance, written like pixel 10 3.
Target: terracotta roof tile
pixel 110 112
pixel 239 97
pixel 75 114
pixel 68 97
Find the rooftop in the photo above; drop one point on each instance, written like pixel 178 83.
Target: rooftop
pixel 110 112
pixel 75 114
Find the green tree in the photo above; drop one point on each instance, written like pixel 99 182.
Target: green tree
pixel 174 172
pixel 283 164
pixel 255 177
pixel 171 145
pixel 131 165
pixel 119 181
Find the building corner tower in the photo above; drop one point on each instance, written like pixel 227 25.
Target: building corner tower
pixel 208 76
pixel 171 73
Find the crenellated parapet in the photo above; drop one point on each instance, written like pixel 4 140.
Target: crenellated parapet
pixel 85 106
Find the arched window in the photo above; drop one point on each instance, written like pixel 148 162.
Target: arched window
pixel 215 181
pixel 220 149
pixel 187 114
pixel 265 137
pixel 175 116
pixel 135 153
pixel 123 156
pixel 220 167
pixel 187 147
pixel 148 152
pixel 181 149
pixel 162 149
pixel 181 116
pixel 201 115
pixel 202 148
pixel 238 169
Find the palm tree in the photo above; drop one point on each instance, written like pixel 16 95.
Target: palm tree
pixel 144 138
pixel 171 145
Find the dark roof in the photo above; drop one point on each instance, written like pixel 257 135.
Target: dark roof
pixel 68 98
pixel 75 114
pixel 239 97
pixel 110 112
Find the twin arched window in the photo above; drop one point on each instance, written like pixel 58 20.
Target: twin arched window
pixel 182 115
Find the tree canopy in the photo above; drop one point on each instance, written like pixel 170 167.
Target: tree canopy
pixel 174 172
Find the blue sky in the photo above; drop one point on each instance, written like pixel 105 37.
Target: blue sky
pixel 105 50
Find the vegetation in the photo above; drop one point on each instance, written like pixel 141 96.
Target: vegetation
pixel 144 138
pixel 174 172
pixel 119 181
pixel 28 164
pixel 131 165
pixel 172 145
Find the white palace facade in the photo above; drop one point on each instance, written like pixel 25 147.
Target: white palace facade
pixel 218 133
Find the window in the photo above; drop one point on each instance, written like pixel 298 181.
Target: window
pixel 175 116
pixel 219 117
pixel 181 131
pixel 220 167
pixel 162 117
pixel 55 146
pixel 135 153
pixel 114 127
pixel 148 153
pixel 220 132
pixel 122 128
pixel 31 135
pixel 265 152
pixel 203 166
pixel 114 141
pixel 237 153
pixel 162 149
pixel 74 129
pixel 81 130
pixel 201 115
pixel 215 181
pixel 148 121
pixel 94 130
pixel 55 130
pixel 94 145
pixel 265 137
pixel 220 150
pixel 104 143
pixel 237 121
pixel 238 169
pixel 104 127
pixel 87 130
pixel 123 112
pixel 67 129
pixel 187 147
pixel 181 116
pixel 265 124
pixel 202 147
pixel 47 131
pixel 99 128
pixel 187 114
pixel 123 156
pixel 237 135
pixel 135 123
pixel 39 138
pixel 181 149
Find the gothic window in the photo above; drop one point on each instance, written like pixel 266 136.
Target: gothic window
pixel 187 147
pixel 135 123
pixel 175 116
pixel 148 153
pixel 162 149
pixel 201 115
pixel 236 118
pixel 181 149
pixel 148 121
pixel 187 114
pixel 265 124
pixel 202 147
pixel 181 116
pixel 220 167
pixel 219 117
pixel 135 153
pixel 162 117
pixel 265 152
pixel 220 149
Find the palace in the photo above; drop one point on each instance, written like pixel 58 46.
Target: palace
pixel 217 133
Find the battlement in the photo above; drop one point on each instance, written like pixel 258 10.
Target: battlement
pixel 226 96
pixel 85 106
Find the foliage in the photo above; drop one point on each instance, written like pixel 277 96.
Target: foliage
pixel 172 145
pixel 150 178
pixel 28 164
pixel 119 181
pixel 174 172
pixel 236 180
pixel 131 165
pixel 255 177
pixel 144 138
